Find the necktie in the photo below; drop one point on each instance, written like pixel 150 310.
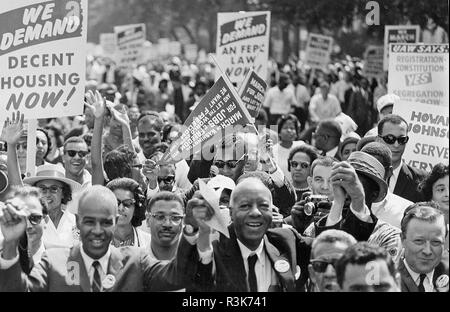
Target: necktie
pixel 323 153
pixel 96 282
pixel 421 287
pixel 251 273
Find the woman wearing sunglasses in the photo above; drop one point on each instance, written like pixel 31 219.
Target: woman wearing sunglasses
pixel 131 208
pixel 299 165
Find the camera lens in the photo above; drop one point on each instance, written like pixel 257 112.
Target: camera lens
pixel 309 208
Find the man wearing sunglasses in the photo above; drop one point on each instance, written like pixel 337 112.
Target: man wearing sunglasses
pixel 326 249
pixel 75 160
pixel 393 132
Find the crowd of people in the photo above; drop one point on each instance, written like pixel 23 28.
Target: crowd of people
pixel 325 204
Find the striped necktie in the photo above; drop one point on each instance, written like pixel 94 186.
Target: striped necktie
pixel 96 281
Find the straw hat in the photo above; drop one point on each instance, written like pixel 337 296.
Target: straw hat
pixel 370 167
pixel 52 172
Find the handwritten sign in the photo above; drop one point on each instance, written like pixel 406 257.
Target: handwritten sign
pixel 42 67
pixel 243 43
pixel 398 34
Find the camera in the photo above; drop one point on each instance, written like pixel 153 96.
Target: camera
pixel 310 207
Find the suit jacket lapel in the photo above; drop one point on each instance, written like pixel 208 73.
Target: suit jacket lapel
pixel 234 262
pixel 408 283
pixel 402 181
pixel 75 257
pixel 286 279
pixel 115 264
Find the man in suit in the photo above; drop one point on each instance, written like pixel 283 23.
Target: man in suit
pixel 327 138
pixel 393 132
pixel 423 236
pixel 255 257
pixel 94 265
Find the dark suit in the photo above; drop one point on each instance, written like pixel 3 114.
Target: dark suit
pixel 408 284
pixel 63 270
pixel 230 275
pixel 407 182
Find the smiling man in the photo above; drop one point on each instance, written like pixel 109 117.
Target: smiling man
pixel 94 265
pixel 423 236
pixel 74 159
pixel 255 257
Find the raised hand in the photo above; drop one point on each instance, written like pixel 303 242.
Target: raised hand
pixel 13 129
pixel 120 116
pixel 198 211
pixel 96 103
pixel 13 220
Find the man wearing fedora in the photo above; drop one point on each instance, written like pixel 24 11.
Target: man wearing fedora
pixel 94 265
pixel 57 190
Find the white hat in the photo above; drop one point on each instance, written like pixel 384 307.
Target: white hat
pixel 52 172
pixel 387 99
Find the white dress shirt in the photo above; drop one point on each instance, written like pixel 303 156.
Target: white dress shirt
pixel 332 152
pixel 391 209
pixel 263 267
pixel 393 178
pixel 63 236
pixel 88 261
pixel 427 282
pixel 280 102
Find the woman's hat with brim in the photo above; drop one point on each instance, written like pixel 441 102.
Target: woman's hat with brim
pixel 52 172
pixel 370 167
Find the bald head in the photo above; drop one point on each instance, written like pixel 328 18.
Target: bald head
pixel 98 197
pixel 249 184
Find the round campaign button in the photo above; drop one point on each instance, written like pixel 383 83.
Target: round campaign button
pixel 109 281
pixel 442 281
pixel 282 266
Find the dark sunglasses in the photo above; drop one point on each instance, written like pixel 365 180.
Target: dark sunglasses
pixel 35 219
pixel 81 154
pixel 303 164
pixel 166 180
pixel 126 202
pixel 230 163
pixel 321 265
pixel 390 139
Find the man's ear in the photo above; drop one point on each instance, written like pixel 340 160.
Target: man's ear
pixel 78 221
pixel 312 274
pixel 309 180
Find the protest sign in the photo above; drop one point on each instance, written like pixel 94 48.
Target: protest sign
pixel 219 111
pixel 174 48
pixel 373 62
pixel 428 127
pixel 190 52
pixel 243 43
pixel 130 44
pixel 419 73
pixel 318 51
pixel 42 59
pixel 108 44
pixel 163 47
pixel 252 92
pixel 217 221
pixel 398 34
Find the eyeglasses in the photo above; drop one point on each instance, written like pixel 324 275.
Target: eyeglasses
pixel 230 163
pixel 53 189
pixel 129 203
pixel 166 180
pixel 35 219
pixel 390 139
pixel 321 265
pixel 160 218
pixel 295 164
pixel 81 154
